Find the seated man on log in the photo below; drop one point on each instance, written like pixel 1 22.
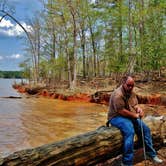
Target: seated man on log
pixel 125 114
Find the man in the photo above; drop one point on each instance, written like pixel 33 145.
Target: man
pixel 125 114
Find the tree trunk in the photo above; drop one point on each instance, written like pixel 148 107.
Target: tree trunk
pixel 86 149
pixel 130 26
pixel 74 56
pixel 120 33
pixel 93 47
pixel 141 33
pixel 131 59
pixel 83 51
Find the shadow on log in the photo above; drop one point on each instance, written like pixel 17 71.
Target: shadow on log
pixel 87 149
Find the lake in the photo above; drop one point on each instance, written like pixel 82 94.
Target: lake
pixel 30 122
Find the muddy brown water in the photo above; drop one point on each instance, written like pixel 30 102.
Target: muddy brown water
pixel 32 122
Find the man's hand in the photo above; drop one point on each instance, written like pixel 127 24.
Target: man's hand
pixel 130 114
pixel 140 112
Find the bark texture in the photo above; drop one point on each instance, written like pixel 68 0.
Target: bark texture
pixel 86 149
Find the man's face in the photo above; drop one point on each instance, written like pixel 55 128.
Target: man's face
pixel 129 85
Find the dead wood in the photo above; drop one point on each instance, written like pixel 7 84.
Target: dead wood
pixel 12 97
pixel 86 149
pixel 104 96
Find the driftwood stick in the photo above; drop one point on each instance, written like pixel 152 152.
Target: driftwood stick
pixel 86 149
pixel 11 97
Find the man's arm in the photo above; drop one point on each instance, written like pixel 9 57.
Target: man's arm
pixel 126 113
pixel 119 106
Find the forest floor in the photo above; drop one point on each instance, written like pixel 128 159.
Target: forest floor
pixel 85 91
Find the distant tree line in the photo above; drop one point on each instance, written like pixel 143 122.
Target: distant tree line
pixel 95 38
pixel 11 74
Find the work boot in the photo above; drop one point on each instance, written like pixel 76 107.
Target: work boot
pixel 157 160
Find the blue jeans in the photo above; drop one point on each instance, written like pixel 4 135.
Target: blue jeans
pixel 128 128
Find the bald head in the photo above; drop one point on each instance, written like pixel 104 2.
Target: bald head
pixel 130 79
pixel 128 84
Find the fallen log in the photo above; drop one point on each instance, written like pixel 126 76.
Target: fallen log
pixel 104 96
pixel 101 97
pixel 86 149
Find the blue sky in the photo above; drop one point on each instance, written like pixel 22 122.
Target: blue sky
pixel 11 44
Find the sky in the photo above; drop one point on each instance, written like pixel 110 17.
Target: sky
pixel 11 35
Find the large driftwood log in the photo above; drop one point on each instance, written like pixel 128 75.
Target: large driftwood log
pixel 104 96
pixel 86 149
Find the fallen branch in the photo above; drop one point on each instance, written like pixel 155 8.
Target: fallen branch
pixel 11 97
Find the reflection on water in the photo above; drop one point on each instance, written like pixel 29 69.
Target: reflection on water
pixel 31 122
pixel 11 132
pixel 52 120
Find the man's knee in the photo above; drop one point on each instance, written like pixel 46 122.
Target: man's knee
pixel 129 132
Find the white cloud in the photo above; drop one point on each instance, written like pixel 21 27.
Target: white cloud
pixel 9 29
pixel 5 23
pixel 27 27
pixel 1 57
pixel 14 56
pixel 15 31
